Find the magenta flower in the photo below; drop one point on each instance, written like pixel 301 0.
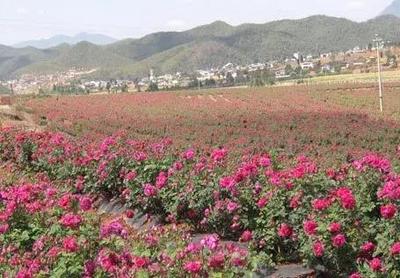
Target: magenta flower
pixel 140 262
pixel 216 261
pixel 150 190
pixel 262 202
pixel 227 183
pixel 65 201
pixel 318 249
pixel 246 236
pixel 4 228
pixel 339 240
pixel 193 248
pixel 321 204
pixel 85 203
pixel 161 180
pixel 335 227
pixel 388 211
pixel 346 198
pixel 368 247
pixel 188 154
pixel 70 220
pixel 285 231
pixel 310 227
pixel 210 241
pixel 70 244
pixel 232 206
pixel 113 228
pixel 218 155
pixel 193 267
pixel 130 176
pixel 395 249
pixel 265 161
pixel 375 264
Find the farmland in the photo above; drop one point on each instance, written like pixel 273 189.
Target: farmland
pixel 227 182
pixel 322 121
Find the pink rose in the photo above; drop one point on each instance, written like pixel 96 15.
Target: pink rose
pixel 70 220
pixel 310 227
pixel 149 190
pixel 375 264
pixel 318 249
pixel 70 244
pixel 285 231
pixel 246 236
pixel 395 249
pixel 388 211
pixel 335 227
pixel 85 203
pixel 339 240
pixel 192 266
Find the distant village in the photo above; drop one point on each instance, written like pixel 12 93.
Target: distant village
pixel 297 68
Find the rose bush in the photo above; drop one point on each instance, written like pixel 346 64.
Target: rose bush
pixel 344 220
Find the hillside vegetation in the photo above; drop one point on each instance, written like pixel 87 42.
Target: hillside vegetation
pixel 203 47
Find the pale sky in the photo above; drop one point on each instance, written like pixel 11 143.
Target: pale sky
pixel 22 20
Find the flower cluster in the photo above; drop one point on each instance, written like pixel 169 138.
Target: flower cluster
pixel 344 219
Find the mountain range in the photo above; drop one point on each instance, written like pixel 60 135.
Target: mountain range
pixel 60 39
pixel 393 8
pixel 203 47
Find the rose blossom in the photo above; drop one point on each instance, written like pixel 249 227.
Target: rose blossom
pixel 395 249
pixel 318 249
pixel 192 266
pixel 262 202
pixel 310 227
pixel 140 262
pixel 335 227
pixel 70 220
pixel 70 244
pixel 210 241
pixel 368 247
pixel 85 203
pixel 217 260
pixel 246 236
pixel 375 264
pixel 232 206
pixel 285 231
pixel 3 228
pixel 388 211
pixel 227 183
pixel 188 154
pixel 129 213
pixel 149 190
pixel 346 198
pixel 339 240
pixel 321 204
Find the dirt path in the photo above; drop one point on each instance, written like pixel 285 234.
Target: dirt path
pixel 11 117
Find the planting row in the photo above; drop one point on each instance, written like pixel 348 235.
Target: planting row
pixel 343 221
pixel 292 119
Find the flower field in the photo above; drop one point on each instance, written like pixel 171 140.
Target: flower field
pixel 238 181
pixel 344 220
pixel 320 121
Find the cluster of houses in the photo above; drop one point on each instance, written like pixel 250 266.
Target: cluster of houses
pixel 357 60
pixel 32 83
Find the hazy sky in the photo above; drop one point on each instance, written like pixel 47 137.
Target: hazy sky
pixel 34 19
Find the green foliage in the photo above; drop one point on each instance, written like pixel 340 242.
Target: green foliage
pixel 214 45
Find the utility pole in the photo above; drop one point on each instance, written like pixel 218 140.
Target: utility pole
pixel 378 45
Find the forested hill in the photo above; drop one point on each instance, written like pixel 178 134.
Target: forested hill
pixel 203 47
